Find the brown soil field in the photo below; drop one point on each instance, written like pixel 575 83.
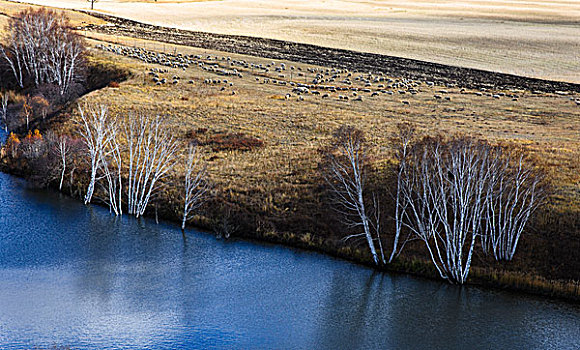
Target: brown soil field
pixel 338 58
pixel 532 38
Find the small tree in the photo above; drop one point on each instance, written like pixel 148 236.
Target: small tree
pixel 195 186
pixel 62 150
pixel 40 106
pixel 111 166
pixel 93 3
pixel 152 150
pixel 514 194
pixel 12 144
pixel 444 191
pixel 4 111
pixel 26 112
pixel 403 139
pixel 97 130
pixel 345 162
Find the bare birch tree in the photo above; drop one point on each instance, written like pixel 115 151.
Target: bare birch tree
pixel 152 150
pixel 42 49
pixel 445 193
pixel 4 111
pixel 515 193
pixel 97 130
pixel 62 151
pixel 405 135
pixel 111 167
pixel 195 185
pixel 345 175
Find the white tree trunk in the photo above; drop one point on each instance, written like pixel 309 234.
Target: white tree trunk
pixel 346 178
pixel 97 131
pixel 195 184
pixel 445 193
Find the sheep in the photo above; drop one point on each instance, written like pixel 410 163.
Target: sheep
pixel 405 102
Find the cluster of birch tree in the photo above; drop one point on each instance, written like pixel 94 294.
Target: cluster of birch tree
pixel 452 193
pixel 129 160
pixel 42 49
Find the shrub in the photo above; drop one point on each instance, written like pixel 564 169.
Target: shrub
pixel 232 142
pixel 224 141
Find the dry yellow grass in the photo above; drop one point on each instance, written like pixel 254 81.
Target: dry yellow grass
pixel 532 38
pixel 293 130
pixel 10 8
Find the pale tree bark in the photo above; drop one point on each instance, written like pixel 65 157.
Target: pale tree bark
pixel 111 167
pixel 445 193
pixel 405 135
pixel 14 60
pixel 152 153
pixel 516 192
pixel 42 49
pixel 97 130
pixel 63 150
pixel 195 185
pixel 4 111
pixel 345 175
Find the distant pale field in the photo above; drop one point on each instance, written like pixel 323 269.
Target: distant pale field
pixel 531 38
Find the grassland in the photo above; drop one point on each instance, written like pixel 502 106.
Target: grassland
pixel 533 38
pixel 275 192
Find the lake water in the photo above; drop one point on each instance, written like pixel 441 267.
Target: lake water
pixel 75 276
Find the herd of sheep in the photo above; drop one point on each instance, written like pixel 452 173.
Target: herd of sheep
pixel 341 84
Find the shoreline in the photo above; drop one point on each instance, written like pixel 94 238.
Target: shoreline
pixel 530 285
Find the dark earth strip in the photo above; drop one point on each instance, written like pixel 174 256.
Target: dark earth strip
pixel 328 57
